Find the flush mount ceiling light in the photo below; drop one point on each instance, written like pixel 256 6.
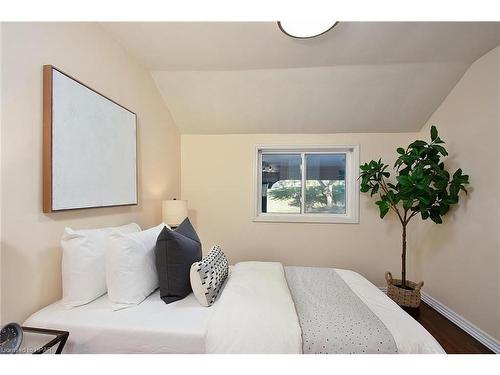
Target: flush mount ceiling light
pixel 304 29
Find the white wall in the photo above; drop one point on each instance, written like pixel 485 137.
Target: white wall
pixel 30 268
pixel 460 259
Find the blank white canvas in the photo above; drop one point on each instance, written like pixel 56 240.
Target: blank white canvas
pixel 93 148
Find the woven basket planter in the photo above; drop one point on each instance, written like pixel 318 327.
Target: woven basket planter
pixel 403 297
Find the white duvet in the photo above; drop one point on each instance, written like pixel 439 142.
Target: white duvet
pixel 255 313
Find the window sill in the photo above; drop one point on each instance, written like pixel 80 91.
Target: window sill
pixel 318 219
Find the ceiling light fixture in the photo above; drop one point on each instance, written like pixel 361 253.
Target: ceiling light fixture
pixel 306 29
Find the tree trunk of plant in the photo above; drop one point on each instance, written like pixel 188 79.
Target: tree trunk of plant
pixel 329 199
pixel 328 190
pixel 403 259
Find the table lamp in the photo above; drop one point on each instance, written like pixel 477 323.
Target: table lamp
pixel 174 212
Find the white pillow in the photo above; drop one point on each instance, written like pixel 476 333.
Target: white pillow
pixel 208 276
pixel 83 269
pixel 130 267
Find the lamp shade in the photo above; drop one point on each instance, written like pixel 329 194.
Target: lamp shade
pixel 174 211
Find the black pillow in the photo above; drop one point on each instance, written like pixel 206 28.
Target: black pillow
pixel 176 250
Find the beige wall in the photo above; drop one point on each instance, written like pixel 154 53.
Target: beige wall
pixel 30 250
pixel 217 180
pixel 460 260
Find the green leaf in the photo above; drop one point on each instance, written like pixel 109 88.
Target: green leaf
pixel 405 171
pixel 458 173
pixel 443 208
pixel 418 143
pixel 435 217
pixel 364 188
pixel 374 190
pixel 383 207
pixel 441 150
pixel 424 200
pixel 452 200
pixel 404 180
pixel 418 173
pixel 438 140
pixel 400 150
pixel 434 133
pixel 407 204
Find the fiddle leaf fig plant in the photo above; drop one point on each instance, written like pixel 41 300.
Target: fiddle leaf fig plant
pixel 422 186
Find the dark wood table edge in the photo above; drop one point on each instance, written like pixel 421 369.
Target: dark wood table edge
pixel 61 338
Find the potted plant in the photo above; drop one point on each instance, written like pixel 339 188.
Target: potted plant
pixel 422 187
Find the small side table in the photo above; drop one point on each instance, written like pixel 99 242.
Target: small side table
pixel 41 340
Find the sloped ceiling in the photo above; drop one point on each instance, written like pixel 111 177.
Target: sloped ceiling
pixel 228 77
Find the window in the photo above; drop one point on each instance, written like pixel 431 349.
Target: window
pixel 307 184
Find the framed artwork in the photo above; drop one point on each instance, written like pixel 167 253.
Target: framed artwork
pixel 89 146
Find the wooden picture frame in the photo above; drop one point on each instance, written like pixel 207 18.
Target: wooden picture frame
pixel 82 129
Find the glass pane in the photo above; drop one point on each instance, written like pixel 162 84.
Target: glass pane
pixel 32 341
pixel 281 183
pixel 325 183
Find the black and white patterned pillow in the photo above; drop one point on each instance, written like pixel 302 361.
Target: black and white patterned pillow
pixel 208 275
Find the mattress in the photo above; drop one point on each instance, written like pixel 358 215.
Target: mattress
pixel 150 327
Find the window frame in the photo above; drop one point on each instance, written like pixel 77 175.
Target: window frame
pixel 351 180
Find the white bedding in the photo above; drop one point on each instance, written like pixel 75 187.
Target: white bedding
pixel 254 314
pixel 151 327
pixel 409 335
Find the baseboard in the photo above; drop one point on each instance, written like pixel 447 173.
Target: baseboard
pixel 481 336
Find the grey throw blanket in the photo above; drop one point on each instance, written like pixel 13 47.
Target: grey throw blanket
pixel 332 317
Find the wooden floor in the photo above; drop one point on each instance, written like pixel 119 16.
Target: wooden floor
pixel 453 339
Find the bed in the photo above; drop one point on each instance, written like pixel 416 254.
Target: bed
pixel 263 308
pixel 151 327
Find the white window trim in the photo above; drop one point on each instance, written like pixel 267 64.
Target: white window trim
pixel 352 196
